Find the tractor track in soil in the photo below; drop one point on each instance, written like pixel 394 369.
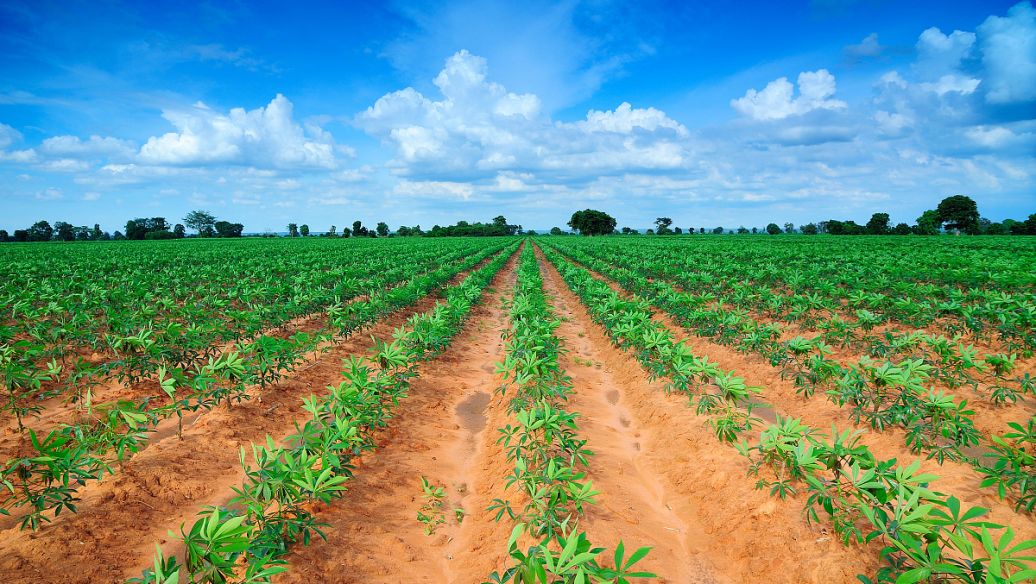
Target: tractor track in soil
pixel 122 517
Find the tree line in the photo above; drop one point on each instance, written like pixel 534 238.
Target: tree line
pixel 957 214
pixel 498 226
pixel 204 223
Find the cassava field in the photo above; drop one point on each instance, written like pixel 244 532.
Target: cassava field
pixel 554 409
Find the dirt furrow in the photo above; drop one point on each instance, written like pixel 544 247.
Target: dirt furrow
pixel 121 518
pixel 444 430
pixel 958 479
pixel 726 530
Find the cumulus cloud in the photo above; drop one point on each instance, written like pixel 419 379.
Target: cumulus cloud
pixel 777 100
pixel 263 137
pixel 1008 47
pixel 481 128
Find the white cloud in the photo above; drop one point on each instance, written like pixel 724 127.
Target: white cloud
pixel 1008 47
pixel 868 47
pixel 938 53
pixel 434 189
pixel 8 136
pixel 952 84
pixel 480 128
pixel 72 146
pixel 49 194
pixel 91 196
pixel 990 136
pixel 776 101
pixel 263 137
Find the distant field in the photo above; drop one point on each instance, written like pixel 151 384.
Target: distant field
pixel 752 408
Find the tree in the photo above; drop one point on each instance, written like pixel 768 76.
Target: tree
pixel 755 230
pixel 201 221
pixel 97 234
pixel 293 230
pixel 346 232
pixel 662 224
pixel 333 231
pixel 228 229
pixel 179 231
pixel 928 223
pixel 809 229
pixel 556 231
pixel 592 222
pixel 701 230
pixel 742 230
pixel 717 231
pixel 3 236
pixel 64 231
pixel 879 224
pixel 773 229
pixel 959 213
pixel 41 231
pixel 649 232
pixel 789 228
pixel 677 231
pixel 500 221
pixel 304 230
pixel 383 228
pixel 82 233
pixel 21 235
pixel 531 233
pixel 901 229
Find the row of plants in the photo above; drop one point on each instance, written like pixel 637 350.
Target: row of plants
pixel 803 282
pixel 46 477
pixel 273 509
pixel 926 536
pixel 548 456
pixel 881 394
pixel 65 342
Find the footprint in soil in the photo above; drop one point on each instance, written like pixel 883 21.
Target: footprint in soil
pixel 625 423
pixel 613 396
pixel 472 412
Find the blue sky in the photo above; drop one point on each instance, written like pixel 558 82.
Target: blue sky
pixel 712 113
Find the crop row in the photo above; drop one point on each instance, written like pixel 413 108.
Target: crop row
pixel 47 476
pixel 927 536
pixel 272 510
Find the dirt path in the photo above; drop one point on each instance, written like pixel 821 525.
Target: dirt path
pixel 955 478
pixel 120 519
pixel 444 430
pixel 666 481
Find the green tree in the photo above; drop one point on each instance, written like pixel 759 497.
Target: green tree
pixel 383 228
pixel 959 213
pixel 773 228
pixel 556 231
pixel 592 222
pixel 809 229
pixel 293 230
pixel 64 231
pixel 228 229
pixel 878 224
pixel 662 225
pixel 789 228
pixel 717 231
pixel 179 231
pixel 201 221
pixel 304 230
pixel 96 234
pixel 901 229
pixel 677 231
pixel 929 223
pixel 3 236
pixel 41 231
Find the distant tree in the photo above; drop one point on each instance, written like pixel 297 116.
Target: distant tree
pixel 180 231
pixel 742 230
pixel 959 213
pixel 293 230
pixel 627 230
pixel 333 231
pixel 901 229
pixel 346 232
pixel 822 227
pixel 4 236
pixel 383 228
pixel 701 230
pixel 809 229
pixel 556 231
pixel 358 229
pixel 755 230
pixel 304 230
pixel 64 231
pixel 649 232
pixel 789 228
pixel 773 228
pixel 201 221
pixel 21 235
pixel 500 221
pixel 118 235
pixel 228 229
pixel 878 224
pixel 717 231
pixel 662 225
pixel 592 222
pixel 928 223
pixel 531 232
pixel 96 234
pixel 677 231
pixel 41 231
pixel 82 233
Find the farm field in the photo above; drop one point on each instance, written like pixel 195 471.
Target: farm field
pixel 505 409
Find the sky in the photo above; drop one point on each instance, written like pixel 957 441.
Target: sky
pixel 711 113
